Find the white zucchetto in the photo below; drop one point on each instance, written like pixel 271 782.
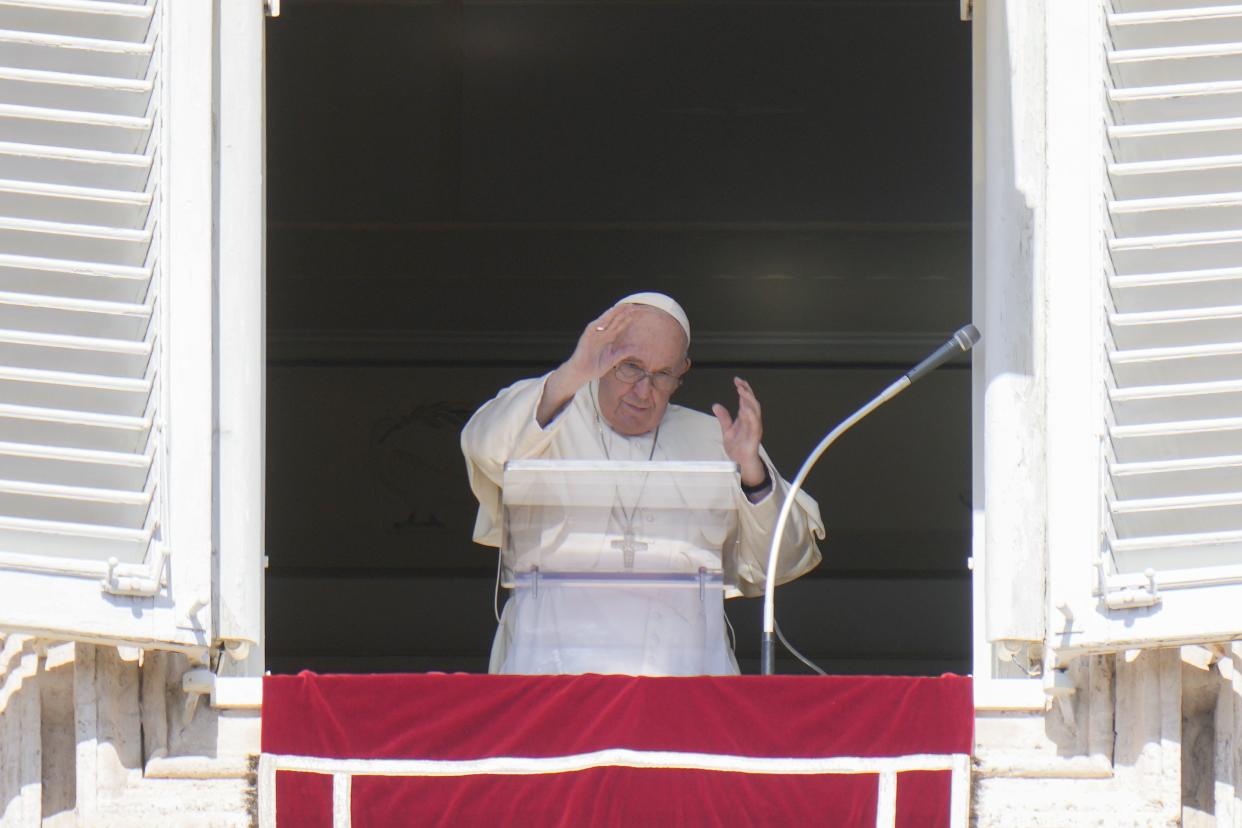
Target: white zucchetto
pixel 661 302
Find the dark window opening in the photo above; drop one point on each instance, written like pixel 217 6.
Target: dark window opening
pixel 455 188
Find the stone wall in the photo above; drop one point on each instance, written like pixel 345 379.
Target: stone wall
pixel 100 736
pixel 1149 738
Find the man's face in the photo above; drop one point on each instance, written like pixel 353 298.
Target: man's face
pixel 660 345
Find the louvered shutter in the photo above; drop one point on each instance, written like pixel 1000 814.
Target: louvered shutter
pixel 105 319
pixel 1170 551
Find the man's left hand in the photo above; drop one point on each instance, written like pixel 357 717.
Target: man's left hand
pixel 741 434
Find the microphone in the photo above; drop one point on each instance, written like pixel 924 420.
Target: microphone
pixel 962 341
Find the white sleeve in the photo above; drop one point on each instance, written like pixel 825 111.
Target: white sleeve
pixel 798 551
pixel 503 429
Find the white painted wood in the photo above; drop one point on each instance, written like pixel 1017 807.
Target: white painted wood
pixel 244 692
pixel 92 242
pixel 73 91
pixel 75 166
pixel 188 260
pixel 1009 694
pixel 98 131
pixel 242 331
pixel 57 52
pixel 1008 396
pixel 1176 381
pixel 90 18
pixel 981 648
pixel 1073 251
pixel 82 205
pixel 66 277
pixel 1144 260
pixel 107 267
pixel 76 362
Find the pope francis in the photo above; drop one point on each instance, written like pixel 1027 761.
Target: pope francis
pixel 611 401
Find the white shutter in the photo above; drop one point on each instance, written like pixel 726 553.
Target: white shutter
pixel 1170 564
pixel 105 319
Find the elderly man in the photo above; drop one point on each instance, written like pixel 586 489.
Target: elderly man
pixel 610 400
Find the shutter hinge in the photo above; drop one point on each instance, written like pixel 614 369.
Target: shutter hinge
pixel 1134 596
pixel 967 8
pixel 271 8
pixel 139 581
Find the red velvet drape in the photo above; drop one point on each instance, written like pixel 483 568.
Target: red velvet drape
pixel 462 717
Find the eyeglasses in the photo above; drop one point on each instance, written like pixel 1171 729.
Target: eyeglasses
pixel 631 374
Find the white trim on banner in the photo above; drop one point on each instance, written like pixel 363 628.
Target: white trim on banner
pixel 886 768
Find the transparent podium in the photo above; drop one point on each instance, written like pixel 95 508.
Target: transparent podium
pixel 618 567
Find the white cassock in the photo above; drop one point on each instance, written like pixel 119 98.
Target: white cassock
pixel 645 632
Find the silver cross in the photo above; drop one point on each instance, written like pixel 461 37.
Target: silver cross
pixel 628 546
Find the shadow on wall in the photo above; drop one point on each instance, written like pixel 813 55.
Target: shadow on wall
pixel 90 720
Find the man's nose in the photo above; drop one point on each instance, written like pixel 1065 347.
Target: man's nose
pixel 643 387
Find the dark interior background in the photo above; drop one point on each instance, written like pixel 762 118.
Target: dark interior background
pixel 456 188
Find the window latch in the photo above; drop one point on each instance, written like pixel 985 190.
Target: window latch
pixel 141 581
pixel 1131 596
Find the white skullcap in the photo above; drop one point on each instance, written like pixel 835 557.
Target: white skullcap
pixel 665 303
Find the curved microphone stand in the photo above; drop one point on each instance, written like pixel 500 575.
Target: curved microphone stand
pixel 961 341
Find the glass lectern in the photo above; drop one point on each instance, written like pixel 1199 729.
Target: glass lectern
pixel 618 567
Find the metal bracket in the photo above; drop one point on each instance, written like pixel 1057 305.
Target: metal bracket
pixel 195 684
pixel 189 619
pixel 1060 689
pixel 1026 656
pixel 1131 597
pixel 140 581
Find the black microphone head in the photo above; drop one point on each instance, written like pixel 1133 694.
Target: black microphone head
pixel 967 337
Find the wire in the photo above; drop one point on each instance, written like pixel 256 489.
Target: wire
pixel 767 651
pixel 496 589
pixel 794 650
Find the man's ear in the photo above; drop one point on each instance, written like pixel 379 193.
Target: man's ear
pixel 685 370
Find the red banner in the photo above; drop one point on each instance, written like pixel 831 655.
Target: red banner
pixel 593 750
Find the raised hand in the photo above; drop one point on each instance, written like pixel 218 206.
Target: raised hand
pixel 741 434
pixel 600 347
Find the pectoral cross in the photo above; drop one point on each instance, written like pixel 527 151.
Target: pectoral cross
pixel 628 546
